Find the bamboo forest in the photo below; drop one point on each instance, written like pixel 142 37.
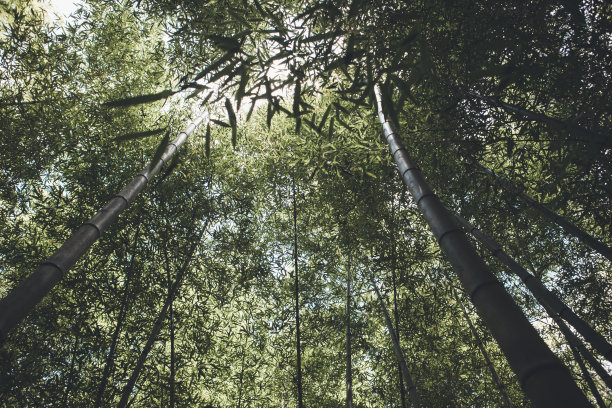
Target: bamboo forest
pixel 314 203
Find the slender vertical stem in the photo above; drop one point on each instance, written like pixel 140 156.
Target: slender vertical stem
pixel 575 344
pixel 172 356
pixel 171 312
pixel 297 299
pixel 23 298
pixel 416 403
pixel 349 364
pixel 241 379
pixel 125 300
pixel 71 370
pixel 127 390
pixel 395 309
pixel 500 386
pixel 544 296
pixel 543 377
pixel 587 377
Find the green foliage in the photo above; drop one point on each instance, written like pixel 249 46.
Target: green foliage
pixel 300 63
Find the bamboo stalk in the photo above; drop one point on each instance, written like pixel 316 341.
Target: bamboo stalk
pixel 349 364
pixel 399 354
pixel 545 380
pixel 297 300
pixel 127 389
pixel 125 299
pixel 541 293
pixel 23 298
pixel 395 309
pixel 567 226
pixel 500 386
pixel 576 346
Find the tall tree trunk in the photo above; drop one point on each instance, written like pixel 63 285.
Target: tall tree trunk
pixel 395 309
pixel 297 300
pixel 588 135
pixel 416 403
pixel 125 300
pixel 23 298
pixel 349 364
pixel 500 386
pixel 543 377
pixel 544 296
pixel 127 390
pixel 567 226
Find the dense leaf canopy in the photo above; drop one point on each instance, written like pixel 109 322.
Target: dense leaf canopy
pixel 285 89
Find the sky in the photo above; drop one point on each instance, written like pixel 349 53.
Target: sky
pixel 64 7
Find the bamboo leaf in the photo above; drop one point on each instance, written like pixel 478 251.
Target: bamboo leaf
pixel 207 140
pixel 137 100
pixel 176 160
pixel 244 79
pixel 220 123
pixel 207 98
pixel 251 110
pixel 214 65
pixel 196 92
pixel 388 104
pixel 323 36
pixel 260 9
pixel 296 105
pixel 325 116
pixel 160 149
pixel 232 119
pixel 228 44
pixel 139 135
pixel 270 114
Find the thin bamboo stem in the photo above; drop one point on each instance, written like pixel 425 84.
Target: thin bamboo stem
pixel 541 293
pixel 399 354
pixel 129 386
pixel 500 386
pixel 297 299
pixel 349 364
pixel 125 299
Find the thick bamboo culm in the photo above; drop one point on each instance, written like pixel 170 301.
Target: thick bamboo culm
pixel 567 226
pixel 541 293
pixel 23 298
pixel 411 388
pixel 544 379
